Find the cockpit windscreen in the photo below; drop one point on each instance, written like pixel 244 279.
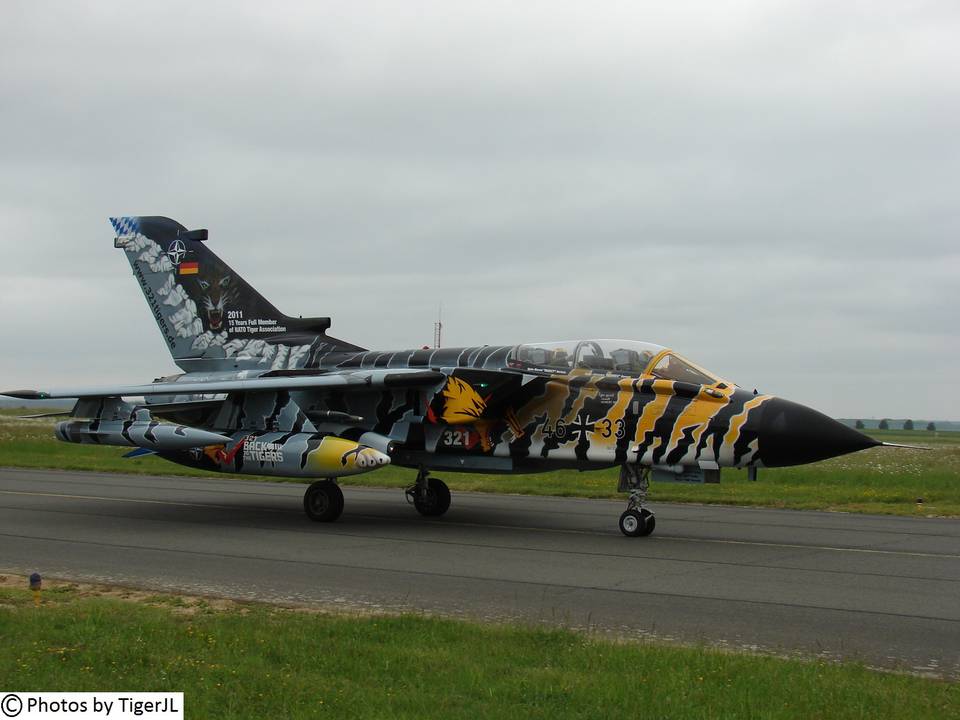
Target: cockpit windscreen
pixel 629 357
pixel 618 357
pixel 674 367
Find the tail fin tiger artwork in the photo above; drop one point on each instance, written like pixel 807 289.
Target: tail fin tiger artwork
pixel 210 317
pixel 267 394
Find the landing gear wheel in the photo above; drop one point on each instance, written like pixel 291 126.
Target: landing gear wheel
pixel 631 524
pixel 649 522
pixel 433 500
pixel 637 523
pixel 323 501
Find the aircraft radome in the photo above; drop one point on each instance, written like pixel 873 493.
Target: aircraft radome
pixel 268 394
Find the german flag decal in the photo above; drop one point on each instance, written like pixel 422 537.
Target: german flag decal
pixel 189 268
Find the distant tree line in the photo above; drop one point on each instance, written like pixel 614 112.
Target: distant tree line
pixel 885 425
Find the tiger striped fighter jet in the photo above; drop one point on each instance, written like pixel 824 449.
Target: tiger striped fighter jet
pixel 267 394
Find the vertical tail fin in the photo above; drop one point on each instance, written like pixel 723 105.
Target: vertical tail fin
pixel 210 317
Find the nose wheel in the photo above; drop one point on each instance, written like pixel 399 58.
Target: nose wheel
pixel 323 501
pixel 636 520
pixel 430 496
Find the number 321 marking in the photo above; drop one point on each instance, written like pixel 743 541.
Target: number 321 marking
pixel 456 438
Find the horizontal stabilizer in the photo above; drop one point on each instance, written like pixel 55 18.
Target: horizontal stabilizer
pixel 139 452
pixel 59 413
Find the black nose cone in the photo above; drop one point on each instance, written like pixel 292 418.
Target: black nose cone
pixel 793 434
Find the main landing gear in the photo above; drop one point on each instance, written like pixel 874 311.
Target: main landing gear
pixel 636 520
pixel 430 496
pixel 323 501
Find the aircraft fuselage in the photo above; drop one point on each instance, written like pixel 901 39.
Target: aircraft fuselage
pixel 482 414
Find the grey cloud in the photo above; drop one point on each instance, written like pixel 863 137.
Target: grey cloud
pixel 768 187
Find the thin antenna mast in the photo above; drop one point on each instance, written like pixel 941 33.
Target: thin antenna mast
pixel 438 327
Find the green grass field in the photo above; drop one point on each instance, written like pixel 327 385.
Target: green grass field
pixel 253 661
pixel 880 480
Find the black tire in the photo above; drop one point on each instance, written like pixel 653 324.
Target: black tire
pixel 323 501
pixel 632 523
pixel 435 502
pixel 649 522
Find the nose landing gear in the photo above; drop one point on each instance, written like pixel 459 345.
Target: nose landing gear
pixel 636 520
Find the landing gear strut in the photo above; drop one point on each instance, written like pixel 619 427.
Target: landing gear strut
pixel 430 496
pixel 636 520
pixel 323 501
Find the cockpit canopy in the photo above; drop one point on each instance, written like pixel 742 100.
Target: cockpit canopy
pixel 617 357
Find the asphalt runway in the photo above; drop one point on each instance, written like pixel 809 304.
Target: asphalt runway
pixel 883 590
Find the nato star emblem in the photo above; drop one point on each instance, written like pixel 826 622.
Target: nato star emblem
pixel 176 251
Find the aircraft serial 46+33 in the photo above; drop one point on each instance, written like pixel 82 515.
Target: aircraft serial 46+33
pixel 267 394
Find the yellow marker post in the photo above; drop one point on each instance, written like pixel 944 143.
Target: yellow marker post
pixel 36 585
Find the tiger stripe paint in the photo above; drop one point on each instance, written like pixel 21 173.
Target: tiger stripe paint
pixel 692 423
pixel 644 436
pixel 578 419
pixel 734 433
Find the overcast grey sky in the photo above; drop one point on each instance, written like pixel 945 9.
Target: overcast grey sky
pixel 770 188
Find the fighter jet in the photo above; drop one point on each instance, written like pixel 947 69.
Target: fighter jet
pixel 263 393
